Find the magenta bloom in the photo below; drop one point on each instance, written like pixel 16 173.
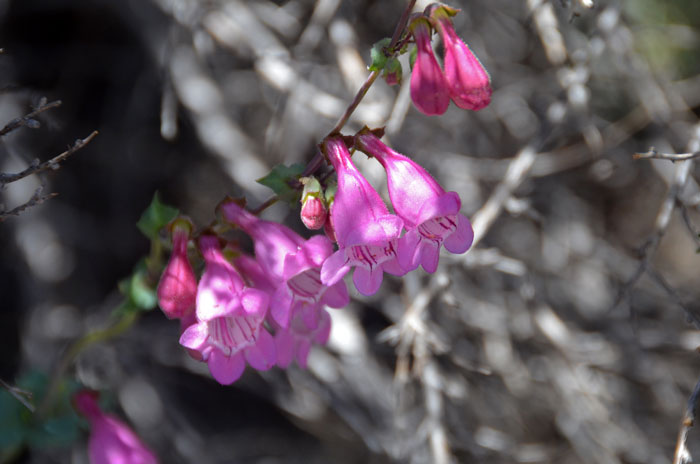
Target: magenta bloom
pixel 310 323
pixel 365 231
pixel 111 440
pixel 292 263
pixel 229 330
pixel 177 290
pixel 309 326
pixel 430 214
pixel 429 90
pixel 468 82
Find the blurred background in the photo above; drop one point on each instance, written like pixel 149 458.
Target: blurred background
pixel 567 334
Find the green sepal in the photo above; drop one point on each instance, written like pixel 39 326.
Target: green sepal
pixel 156 216
pixel 378 54
pixel 284 181
pixel 412 57
pixel 393 71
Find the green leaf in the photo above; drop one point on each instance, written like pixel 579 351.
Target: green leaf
pixel 156 216
pixel 140 292
pixel 378 54
pixel 13 427
pixel 56 431
pixel 282 180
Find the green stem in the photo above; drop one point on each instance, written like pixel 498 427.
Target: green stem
pixel 87 340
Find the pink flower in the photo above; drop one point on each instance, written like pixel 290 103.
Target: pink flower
pixel 177 289
pixel 312 326
pixel 429 90
pixel 292 264
pixel 310 323
pixel 430 214
pixel 365 231
pixel 229 329
pixel 468 82
pixel 111 440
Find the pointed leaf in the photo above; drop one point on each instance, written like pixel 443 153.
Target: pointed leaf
pixel 156 216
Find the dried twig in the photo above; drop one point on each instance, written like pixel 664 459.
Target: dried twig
pixel 517 172
pixel 35 168
pixel 28 120
pixel 682 455
pixel 653 154
pixel 36 199
pixel 23 396
pixel 53 163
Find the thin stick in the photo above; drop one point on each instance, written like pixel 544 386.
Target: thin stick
pixel 653 154
pixel 23 121
pixel 50 164
pixel 682 455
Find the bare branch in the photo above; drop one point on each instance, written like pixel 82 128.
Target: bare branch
pixel 517 172
pixel 23 396
pixel 28 120
pixel 682 455
pixel 53 163
pixel 36 199
pixel 653 154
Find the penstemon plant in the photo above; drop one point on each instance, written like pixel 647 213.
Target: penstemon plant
pixel 268 309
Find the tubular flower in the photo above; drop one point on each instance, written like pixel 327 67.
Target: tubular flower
pixel 468 82
pixel 293 264
pixel 310 324
pixel 430 214
pixel 365 231
pixel 295 342
pixel 177 290
pixel 229 328
pixel 429 90
pixel 111 440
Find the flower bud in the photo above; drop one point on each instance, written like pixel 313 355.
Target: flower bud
pixel 429 90
pixel 177 290
pixel 111 440
pixel 313 208
pixel 468 82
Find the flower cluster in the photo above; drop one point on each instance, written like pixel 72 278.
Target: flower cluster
pixel 268 309
pixel 464 79
pixel 260 311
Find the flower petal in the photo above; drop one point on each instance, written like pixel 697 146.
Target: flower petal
pixel 226 369
pixel 444 205
pixel 254 302
pixel 461 239
pixel 429 255
pixel 195 335
pixel 262 355
pixel 336 296
pixel 280 305
pixel 284 346
pixel 334 267
pixel 367 281
pixel 407 250
pixel 302 352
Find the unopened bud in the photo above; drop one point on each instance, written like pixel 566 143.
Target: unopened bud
pixel 313 207
pixel 177 290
